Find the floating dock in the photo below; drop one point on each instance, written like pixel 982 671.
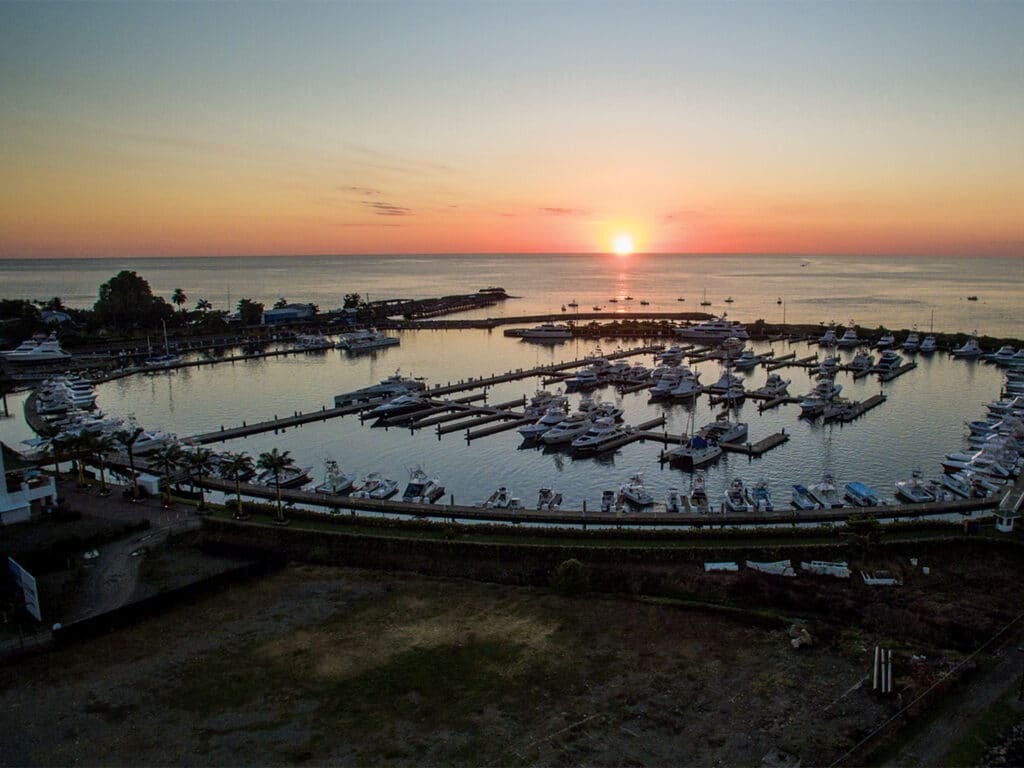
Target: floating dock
pixel 890 375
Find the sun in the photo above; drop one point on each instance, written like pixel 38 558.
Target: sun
pixel 623 244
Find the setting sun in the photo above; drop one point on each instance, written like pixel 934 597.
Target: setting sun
pixel 623 244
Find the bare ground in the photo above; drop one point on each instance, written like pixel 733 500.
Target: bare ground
pixel 341 666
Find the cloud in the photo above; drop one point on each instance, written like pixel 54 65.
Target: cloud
pixel 557 211
pixel 364 191
pixel 388 209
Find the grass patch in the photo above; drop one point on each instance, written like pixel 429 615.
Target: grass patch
pixel 985 732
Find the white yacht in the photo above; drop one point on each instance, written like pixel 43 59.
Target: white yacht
pixel 547 332
pixel 928 346
pixel 599 436
pixel 36 351
pixel 888 362
pixel 362 341
pixel 912 343
pixel 149 441
pixel 969 350
pixel 635 493
pixel 802 499
pixel 722 430
pixel 1003 356
pixel 774 386
pixel 725 382
pixel 713 331
pixel 393 385
pixel 828 366
pixel 695 452
pixel 699 491
pixel 376 486
pixel 674 501
pixel 848 339
pixel 820 395
pixel 294 477
pixel 403 404
pixel 829 339
pixel 862 362
pixel 567 430
pixel 583 381
pixel 552 418
pixel 885 341
pixel 688 387
pixel 422 489
pixel 747 360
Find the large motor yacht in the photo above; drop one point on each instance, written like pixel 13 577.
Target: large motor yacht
pixel 36 351
pixel 713 331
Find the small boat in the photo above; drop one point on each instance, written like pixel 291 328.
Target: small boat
pixel 680 299
pixel 376 486
pixel 644 302
pixel 972 298
pixel 802 499
pixel 674 501
pixel 502 498
pixel 607 501
pixel 826 493
pixel 704 301
pixel 728 299
pixel 573 304
pixel 364 341
pixel 597 308
pixel 336 481
pixel 913 490
pixel 295 477
pixel 699 491
pixel 861 495
pixel 422 489
pixel 760 497
pixel 635 493
pixel 736 498
pixel 969 349
pixel 549 500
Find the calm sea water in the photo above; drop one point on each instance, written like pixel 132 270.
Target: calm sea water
pixel 898 292
pixel 922 419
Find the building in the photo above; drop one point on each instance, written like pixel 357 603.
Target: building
pixel 289 313
pixel 20 488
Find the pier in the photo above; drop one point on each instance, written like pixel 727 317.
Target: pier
pixel 790 360
pixel 890 375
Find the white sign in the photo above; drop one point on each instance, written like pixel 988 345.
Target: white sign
pixel 27 582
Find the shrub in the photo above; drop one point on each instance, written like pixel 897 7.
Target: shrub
pixel 570 578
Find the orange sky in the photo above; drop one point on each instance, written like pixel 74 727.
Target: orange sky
pixel 155 130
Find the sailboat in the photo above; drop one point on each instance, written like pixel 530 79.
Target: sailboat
pixel 166 359
pixel 704 302
pixel 928 345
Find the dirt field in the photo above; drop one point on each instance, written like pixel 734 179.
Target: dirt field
pixel 340 666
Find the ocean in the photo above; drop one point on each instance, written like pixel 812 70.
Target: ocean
pixel 922 419
pixel 899 292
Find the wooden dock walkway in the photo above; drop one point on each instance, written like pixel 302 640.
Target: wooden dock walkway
pixel 805 362
pixel 859 409
pixel 776 401
pixel 758 448
pixel 890 375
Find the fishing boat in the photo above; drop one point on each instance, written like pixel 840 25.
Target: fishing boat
pixel 635 493
pixel 376 486
pixel 826 493
pixel 421 488
pixel 674 501
pixel 549 500
pixel 736 498
pixel 760 497
pixel 607 501
pixel 336 481
pixel 552 418
pixel 699 491
pixel 885 341
pixel 802 499
pixel 502 498
pixel 913 490
pixel 602 433
pixel 293 477
pixel 848 339
pixel 723 430
pixel 774 386
pixel 969 350
pixel 912 343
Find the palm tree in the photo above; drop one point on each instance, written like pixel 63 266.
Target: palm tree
pixel 127 438
pixel 200 461
pixel 57 447
pixel 178 298
pixel 237 467
pixel 203 306
pixel 277 462
pixel 101 446
pixel 169 456
pixel 81 446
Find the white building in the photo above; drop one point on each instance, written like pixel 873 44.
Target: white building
pixel 16 504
